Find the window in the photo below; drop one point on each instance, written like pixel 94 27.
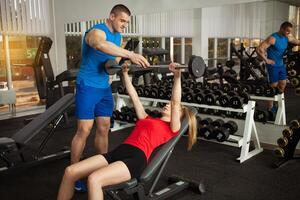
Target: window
pixel 188 49
pixel 22 54
pixel 73 46
pixel 211 51
pixel 222 47
pixel 177 50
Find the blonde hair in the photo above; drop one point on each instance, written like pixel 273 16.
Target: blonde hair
pixel 192 130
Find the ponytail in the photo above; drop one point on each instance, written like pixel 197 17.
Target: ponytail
pixel 192 130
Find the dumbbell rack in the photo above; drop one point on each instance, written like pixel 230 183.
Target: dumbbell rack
pixel 249 128
pixel 280 116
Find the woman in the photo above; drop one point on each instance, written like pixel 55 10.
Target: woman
pixel 130 158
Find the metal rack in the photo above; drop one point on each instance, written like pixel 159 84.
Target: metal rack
pixel 250 131
pixel 280 116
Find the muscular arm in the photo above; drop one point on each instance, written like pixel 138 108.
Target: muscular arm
pixel 294 41
pixel 175 122
pixel 97 39
pixel 137 104
pixel 261 49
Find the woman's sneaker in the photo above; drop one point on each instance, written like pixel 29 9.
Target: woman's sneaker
pixel 80 186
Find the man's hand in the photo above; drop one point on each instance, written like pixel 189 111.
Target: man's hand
pixel 270 62
pixel 110 80
pixel 139 60
pixel 176 72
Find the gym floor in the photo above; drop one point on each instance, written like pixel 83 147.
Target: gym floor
pixel 212 163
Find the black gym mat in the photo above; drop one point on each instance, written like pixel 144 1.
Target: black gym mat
pixel 213 163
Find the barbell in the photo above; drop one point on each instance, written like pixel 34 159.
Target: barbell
pixel 196 67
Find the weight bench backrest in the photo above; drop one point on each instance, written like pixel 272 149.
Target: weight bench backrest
pixel 41 121
pixel 162 153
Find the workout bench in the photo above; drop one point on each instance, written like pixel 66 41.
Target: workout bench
pixel 17 143
pixel 154 169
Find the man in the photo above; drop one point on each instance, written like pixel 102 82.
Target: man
pixel 94 99
pixel 275 46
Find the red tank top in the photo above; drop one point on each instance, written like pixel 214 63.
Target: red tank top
pixel 150 133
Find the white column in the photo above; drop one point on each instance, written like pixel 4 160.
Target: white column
pixel 7 59
pixel 215 51
pixel 172 49
pixel 140 46
pixel 228 48
pixel 183 50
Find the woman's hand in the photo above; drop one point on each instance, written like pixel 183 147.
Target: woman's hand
pixel 125 68
pixel 172 68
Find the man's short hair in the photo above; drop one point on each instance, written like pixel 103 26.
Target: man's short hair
pixel 286 24
pixel 120 8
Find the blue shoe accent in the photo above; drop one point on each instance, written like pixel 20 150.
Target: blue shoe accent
pixel 80 186
pixel 274 109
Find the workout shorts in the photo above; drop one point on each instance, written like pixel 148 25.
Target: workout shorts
pixel 93 102
pixel 133 157
pixel 276 73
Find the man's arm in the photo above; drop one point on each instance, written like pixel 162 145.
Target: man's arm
pixel 175 122
pixel 261 49
pixel 294 41
pixel 97 39
pixel 137 104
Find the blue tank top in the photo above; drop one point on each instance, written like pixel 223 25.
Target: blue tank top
pixel 92 72
pixel 275 52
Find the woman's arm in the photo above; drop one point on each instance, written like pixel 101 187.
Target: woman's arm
pixel 137 104
pixel 175 122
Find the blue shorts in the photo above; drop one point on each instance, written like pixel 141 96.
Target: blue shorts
pixel 93 102
pixel 276 73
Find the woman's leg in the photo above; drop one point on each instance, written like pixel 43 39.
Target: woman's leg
pixel 114 173
pixel 78 171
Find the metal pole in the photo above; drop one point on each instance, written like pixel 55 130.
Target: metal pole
pixel 7 59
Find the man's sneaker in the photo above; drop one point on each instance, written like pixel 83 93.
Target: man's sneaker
pixel 80 186
pixel 274 109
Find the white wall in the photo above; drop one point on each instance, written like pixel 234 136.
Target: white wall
pixel 249 20
pixel 79 10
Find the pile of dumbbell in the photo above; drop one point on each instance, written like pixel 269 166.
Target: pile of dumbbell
pixel 263 115
pixel 289 140
pixel 128 114
pixel 292 66
pixel 217 129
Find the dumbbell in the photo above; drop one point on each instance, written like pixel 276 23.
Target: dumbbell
pixel 282 141
pixel 147 91
pixel 288 132
pixel 224 100
pixel 259 90
pixel 208 130
pixel 222 133
pixel 292 73
pixel 188 95
pixel 237 101
pixel 246 88
pixel 154 92
pixel 226 87
pixel 202 124
pixel 295 82
pixel 199 97
pixel 294 124
pixel 215 86
pixel 236 88
pixel 116 115
pixel 269 91
pixel 279 152
pixel 121 89
pixel 161 93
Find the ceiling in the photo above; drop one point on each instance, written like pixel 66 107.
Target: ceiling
pixel 292 2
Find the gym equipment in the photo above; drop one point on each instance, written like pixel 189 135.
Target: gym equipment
pixel 208 131
pixel 294 124
pixel 49 119
pixel 222 133
pixel 50 87
pixel 287 147
pixel 288 132
pixel 196 67
pixel 237 101
pixel 152 173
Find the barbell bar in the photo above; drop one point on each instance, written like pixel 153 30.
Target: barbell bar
pixel 196 67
